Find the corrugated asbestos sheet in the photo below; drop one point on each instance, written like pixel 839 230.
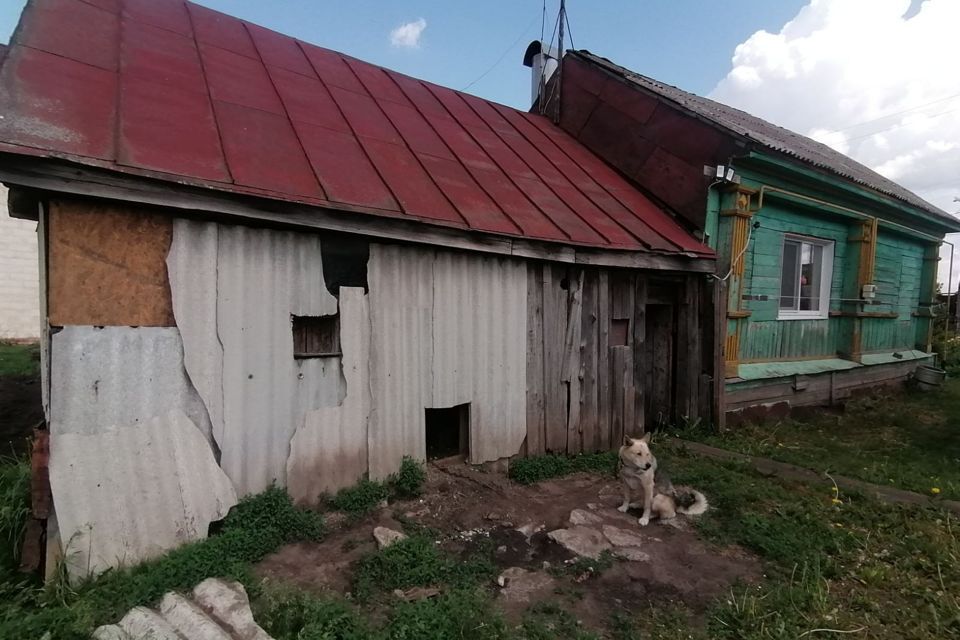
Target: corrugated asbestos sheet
pixel 128 493
pixel 262 278
pixel 329 449
pixel 131 472
pixel 446 329
pixel 119 376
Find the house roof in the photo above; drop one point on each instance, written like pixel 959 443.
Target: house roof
pixel 173 90
pixel 771 136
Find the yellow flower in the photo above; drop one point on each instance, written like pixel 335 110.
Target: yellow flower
pixel 836 501
pixel 935 490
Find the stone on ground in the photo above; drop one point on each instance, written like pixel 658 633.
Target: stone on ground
pixel 580 517
pixel 386 536
pixel 582 541
pixel 520 585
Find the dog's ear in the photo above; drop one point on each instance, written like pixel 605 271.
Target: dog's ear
pixel 646 437
pixel 627 440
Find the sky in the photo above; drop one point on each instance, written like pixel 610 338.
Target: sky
pixel 875 79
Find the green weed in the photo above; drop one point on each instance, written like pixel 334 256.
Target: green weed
pixel 363 497
pixel 254 528
pixel 582 566
pixel 14 510
pixel 417 561
pixel 408 482
pixel 537 468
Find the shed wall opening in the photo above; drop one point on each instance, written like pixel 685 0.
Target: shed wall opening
pixel 448 431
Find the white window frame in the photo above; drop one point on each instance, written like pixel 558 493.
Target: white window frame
pixel 826 279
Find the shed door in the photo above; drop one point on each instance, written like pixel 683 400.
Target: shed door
pixel 660 347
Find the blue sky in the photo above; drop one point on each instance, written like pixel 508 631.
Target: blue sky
pixel 684 42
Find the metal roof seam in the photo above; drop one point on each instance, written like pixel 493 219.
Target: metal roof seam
pixel 206 82
pixel 614 195
pixel 286 114
pixel 458 160
pixel 539 175
pixel 363 149
pixel 598 205
pixel 406 144
pixel 509 177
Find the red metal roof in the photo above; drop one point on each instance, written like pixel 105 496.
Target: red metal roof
pixel 172 89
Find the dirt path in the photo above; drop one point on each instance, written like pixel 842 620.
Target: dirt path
pixel 660 562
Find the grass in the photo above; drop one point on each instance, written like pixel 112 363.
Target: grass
pixel 366 495
pixel 538 468
pixel 893 570
pixel 19 360
pixel 254 528
pixel 906 440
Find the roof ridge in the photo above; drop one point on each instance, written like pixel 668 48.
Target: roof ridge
pixel 831 160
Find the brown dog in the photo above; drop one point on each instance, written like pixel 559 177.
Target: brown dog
pixel 638 474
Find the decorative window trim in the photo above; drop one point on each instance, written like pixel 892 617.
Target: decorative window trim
pixel 826 279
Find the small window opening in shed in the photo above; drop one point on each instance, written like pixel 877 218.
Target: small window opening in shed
pixel 447 431
pixel 316 336
pixel 619 332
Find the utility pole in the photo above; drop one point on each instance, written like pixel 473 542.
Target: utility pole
pixel 560 20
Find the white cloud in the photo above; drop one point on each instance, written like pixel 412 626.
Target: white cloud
pixel 861 77
pixel 408 34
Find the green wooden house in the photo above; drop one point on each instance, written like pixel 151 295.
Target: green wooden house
pixel 827 271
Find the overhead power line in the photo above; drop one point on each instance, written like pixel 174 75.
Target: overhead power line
pixel 896 113
pixel 502 55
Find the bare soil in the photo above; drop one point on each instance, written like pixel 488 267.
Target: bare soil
pixel 465 505
pixel 20 412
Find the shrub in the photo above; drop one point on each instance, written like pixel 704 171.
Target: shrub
pixel 408 482
pixel 361 498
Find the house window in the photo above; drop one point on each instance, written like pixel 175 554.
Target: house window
pixel 316 336
pixel 805 274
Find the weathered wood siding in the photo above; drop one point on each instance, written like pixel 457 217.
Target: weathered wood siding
pixel 888 325
pixel 610 352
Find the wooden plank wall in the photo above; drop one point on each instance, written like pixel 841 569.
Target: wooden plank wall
pixel 586 388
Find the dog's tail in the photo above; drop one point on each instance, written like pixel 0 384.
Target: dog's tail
pixel 698 507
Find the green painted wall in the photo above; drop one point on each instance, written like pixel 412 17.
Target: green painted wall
pixel 899 275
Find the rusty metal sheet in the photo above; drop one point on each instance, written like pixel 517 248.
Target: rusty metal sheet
pixel 263 151
pixel 307 100
pixel 171 131
pixel 221 30
pixel 240 353
pixel 417 193
pixel 344 168
pixel 446 329
pixel 329 449
pixel 130 492
pixel 56 103
pixel 280 116
pixel 277 50
pixel 53 26
pixel 107 266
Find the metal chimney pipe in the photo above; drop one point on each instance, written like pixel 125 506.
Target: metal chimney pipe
pixel 543 62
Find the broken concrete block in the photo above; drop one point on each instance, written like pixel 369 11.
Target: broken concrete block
pixel 110 632
pixel 189 620
pixel 582 541
pixel 621 538
pixel 227 602
pixel 386 537
pixel 631 553
pixel 579 517
pixel 141 623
